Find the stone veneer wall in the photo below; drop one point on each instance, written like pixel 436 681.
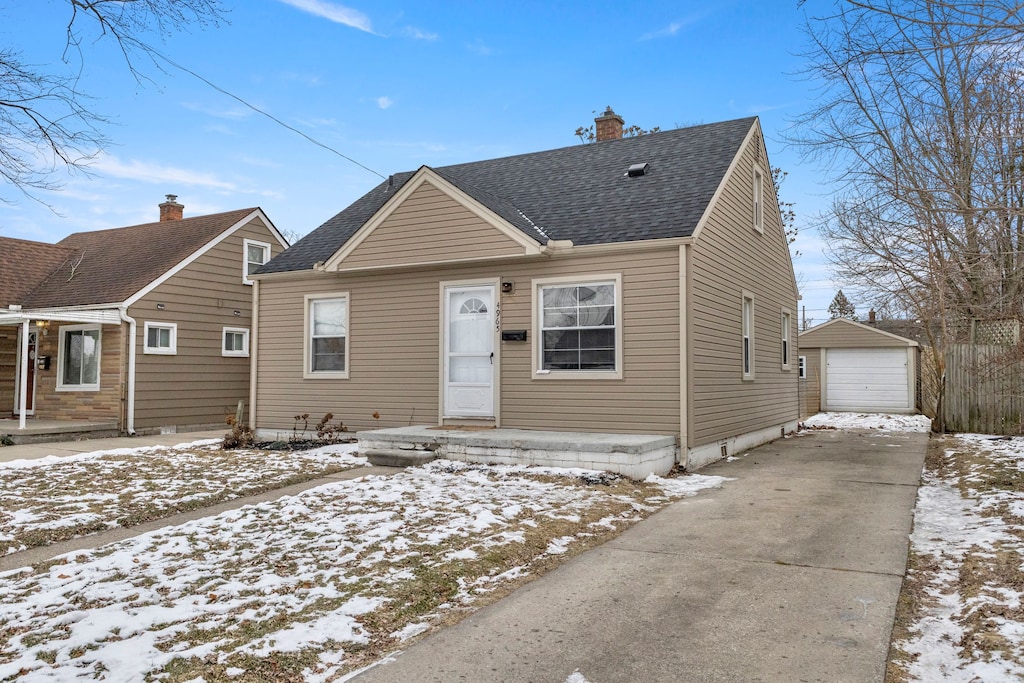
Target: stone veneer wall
pixel 8 358
pixel 103 405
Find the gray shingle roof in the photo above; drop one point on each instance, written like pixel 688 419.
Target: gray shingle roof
pixel 578 193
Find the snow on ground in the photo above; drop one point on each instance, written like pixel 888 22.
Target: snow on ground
pixel 318 584
pixel 52 499
pixel 880 421
pixel 969 533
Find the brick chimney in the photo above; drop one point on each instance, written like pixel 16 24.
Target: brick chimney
pixel 608 126
pixel 171 210
pixel 871 317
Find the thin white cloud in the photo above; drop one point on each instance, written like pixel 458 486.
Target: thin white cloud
pixel 384 102
pixel 157 174
pixel 339 14
pixel 417 34
pixel 674 28
pixel 233 114
pixel 479 48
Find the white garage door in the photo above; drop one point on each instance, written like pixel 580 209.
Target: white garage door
pixel 867 380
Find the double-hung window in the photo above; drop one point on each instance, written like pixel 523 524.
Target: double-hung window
pixel 326 354
pixel 235 342
pixel 256 254
pixel 78 358
pixel 748 336
pixel 580 327
pixel 758 200
pixel 785 339
pixel 160 338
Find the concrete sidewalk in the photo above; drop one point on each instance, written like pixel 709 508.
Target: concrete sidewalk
pixel 791 572
pixel 31 451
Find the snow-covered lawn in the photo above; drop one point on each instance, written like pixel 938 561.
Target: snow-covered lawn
pixel 52 499
pixel 312 586
pixel 966 575
pixel 879 421
pixel 962 609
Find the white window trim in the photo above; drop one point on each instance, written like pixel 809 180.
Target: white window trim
pixel 758 199
pixel 244 331
pixel 245 257
pixel 802 366
pixel 156 350
pixel 786 342
pixel 537 345
pixel 747 328
pixel 307 339
pixel 60 358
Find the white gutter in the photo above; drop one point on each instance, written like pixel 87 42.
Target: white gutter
pixel 130 412
pixel 23 388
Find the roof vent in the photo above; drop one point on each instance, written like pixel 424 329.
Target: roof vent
pixel 637 170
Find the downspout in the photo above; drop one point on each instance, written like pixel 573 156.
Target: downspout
pixel 23 369
pixel 130 408
pixel 254 338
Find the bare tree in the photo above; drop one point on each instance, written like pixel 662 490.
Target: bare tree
pixel 921 119
pixel 47 125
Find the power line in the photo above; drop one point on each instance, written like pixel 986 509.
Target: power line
pixel 261 112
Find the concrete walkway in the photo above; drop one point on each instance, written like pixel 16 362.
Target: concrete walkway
pixel 791 572
pixel 31 451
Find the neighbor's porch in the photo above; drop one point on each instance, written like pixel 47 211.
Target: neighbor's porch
pixel 38 430
pixel 61 372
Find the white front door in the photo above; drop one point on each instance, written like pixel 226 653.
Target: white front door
pixel 469 351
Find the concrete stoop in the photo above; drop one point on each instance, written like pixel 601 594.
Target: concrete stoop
pixel 633 455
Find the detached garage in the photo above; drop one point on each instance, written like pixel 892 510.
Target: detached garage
pixel 849 367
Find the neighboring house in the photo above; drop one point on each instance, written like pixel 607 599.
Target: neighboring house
pixel 142 327
pixel 846 366
pixel 635 285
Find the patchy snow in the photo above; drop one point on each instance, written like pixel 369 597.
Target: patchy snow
pixel 880 421
pixel 967 518
pixel 52 499
pixel 307 576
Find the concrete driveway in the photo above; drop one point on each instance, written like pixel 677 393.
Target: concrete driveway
pixel 791 572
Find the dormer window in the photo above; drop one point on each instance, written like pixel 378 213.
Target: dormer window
pixel 256 254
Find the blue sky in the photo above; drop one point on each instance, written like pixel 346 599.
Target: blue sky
pixel 398 85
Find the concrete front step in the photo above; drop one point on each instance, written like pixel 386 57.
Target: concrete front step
pixel 633 455
pixel 397 457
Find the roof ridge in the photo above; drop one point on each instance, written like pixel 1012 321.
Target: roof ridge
pixel 158 222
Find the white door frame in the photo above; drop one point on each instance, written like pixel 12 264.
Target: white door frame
pixel 443 288
pixel 17 373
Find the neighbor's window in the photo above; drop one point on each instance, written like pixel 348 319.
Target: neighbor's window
pixel 236 342
pixel 758 200
pixel 161 338
pixel 79 358
pixel 580 327
pixel 748 336
pixel 256 254
pixel 327 336
pixel 785 340
pixel 802 360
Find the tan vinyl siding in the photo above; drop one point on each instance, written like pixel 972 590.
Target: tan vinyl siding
pixel 197 386
pixel 843 335
pixel 430 227
pixel 395 346
pixel 730 257
pixel 811 386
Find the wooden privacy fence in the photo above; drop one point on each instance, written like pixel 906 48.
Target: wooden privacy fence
pixel 984 391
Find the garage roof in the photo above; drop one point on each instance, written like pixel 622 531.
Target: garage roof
pixel 843 333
